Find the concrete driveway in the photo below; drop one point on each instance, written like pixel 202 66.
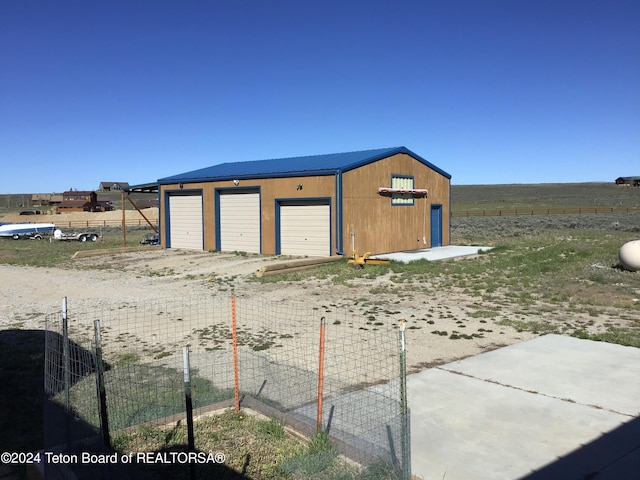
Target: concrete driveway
pixel 549 408
pixel 436 253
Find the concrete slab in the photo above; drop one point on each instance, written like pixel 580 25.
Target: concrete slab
pixel 433 254
pixel 603 375
pixel 552 407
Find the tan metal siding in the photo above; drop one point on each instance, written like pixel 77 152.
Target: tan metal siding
pixel 186 221
pixel 380 227
pixel 240 222
pixel 305 230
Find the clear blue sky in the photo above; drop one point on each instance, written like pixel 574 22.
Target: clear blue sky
pixel 492 91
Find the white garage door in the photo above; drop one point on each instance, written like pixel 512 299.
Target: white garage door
pixel 305 230
pixel 240 222
pixel 185 217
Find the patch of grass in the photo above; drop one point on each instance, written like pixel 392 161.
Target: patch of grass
pixel 139 393
pixel 463 336
pixel 254 448
pixel 541 328
pixel 551 265
pixel 126 358
pixel 42 253
pixel 484 314
pixel 317 458
pixel 540 196
pixel 622 336
pixel 274 428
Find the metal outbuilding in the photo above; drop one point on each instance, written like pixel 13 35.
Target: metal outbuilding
pixel 377 201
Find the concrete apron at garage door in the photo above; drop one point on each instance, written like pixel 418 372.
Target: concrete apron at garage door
pixel 549 408
pixel 436 253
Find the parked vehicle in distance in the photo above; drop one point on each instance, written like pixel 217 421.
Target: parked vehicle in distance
pixel 80 237
pixel 150 239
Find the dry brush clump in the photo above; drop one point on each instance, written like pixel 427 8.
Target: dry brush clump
pixel 493 228
pixel 596 194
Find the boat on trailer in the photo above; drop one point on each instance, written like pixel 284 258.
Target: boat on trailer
pixel 26 230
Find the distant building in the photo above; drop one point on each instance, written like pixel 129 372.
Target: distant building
pixel 41 199
pixel 83 201
pixel 147 203
pixel 628 181
pixel 112 186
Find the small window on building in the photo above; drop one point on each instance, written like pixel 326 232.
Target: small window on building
pixel 402 182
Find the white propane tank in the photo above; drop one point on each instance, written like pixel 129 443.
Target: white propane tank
pixel 629 255
pixel 57 234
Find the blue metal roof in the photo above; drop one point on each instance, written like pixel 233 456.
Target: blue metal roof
pixel 293 167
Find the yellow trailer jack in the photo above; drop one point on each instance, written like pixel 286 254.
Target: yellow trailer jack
pixel 366 260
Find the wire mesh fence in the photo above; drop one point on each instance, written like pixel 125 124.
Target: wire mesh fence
pixel 119 369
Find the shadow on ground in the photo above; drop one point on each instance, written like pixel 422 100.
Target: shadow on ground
pixel 22 392
pixel 30 422
pixel 613 456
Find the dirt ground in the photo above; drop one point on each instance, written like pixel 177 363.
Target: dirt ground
pixel 434 313
pixel 30 292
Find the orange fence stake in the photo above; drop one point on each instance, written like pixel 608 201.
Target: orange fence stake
pixel 236 383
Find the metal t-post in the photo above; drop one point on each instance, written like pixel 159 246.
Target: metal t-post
pixel 320 377
pixel 65 356
pixel 187 397
pixel 404 411
pixel 189 408
pixel 102 393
